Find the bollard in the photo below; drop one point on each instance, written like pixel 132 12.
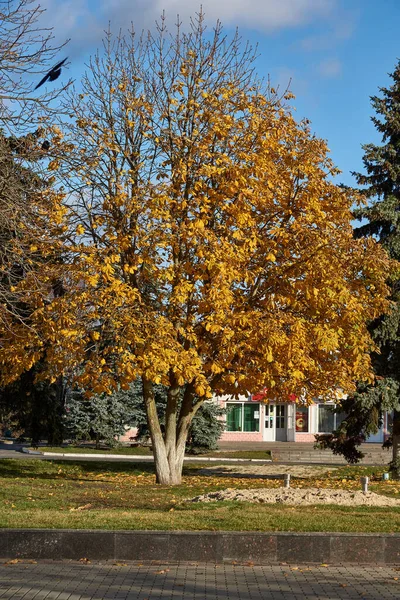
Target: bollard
pixel 286 480
pixel 364 484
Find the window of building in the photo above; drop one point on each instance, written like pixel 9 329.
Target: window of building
pixel 234 417
pixel 242 417
pixel 328 421
pixel 302 419
pixel 280 416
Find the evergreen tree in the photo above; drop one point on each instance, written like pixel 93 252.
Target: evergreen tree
pixel 379 219
pixel 206 429
pixel 99 418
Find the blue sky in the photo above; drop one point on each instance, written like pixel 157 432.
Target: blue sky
pixel 336 52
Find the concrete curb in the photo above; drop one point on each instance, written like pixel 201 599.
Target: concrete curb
pixel 202 546
pixel 142 458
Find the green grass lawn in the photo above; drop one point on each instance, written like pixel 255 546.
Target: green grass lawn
pixel 145 451
pixel 67 494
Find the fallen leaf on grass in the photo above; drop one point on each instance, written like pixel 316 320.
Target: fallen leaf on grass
pixel 84 560
pixel 84 507
pixel 14 561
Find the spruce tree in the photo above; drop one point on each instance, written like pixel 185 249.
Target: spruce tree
pixel 380 219
pixel 100 418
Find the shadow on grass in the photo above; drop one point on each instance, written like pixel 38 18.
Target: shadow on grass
pixel 67 469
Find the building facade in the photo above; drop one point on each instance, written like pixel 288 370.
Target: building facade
pixel 250 419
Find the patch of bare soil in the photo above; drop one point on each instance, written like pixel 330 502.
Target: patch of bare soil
pixel 310 496
pixel 253 470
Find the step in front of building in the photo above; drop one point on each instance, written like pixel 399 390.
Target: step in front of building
pixel 371 458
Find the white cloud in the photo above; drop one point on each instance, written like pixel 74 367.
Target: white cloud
pixel 329 68
pixel 328 39
pixel 266 15
pixel 84 20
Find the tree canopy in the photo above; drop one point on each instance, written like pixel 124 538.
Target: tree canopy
pixel 204 245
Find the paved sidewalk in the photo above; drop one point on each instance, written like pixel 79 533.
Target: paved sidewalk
pixel 120 581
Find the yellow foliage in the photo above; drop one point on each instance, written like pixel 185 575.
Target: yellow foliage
pixel 219 251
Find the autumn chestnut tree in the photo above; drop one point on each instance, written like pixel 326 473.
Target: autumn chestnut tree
pixel 204 244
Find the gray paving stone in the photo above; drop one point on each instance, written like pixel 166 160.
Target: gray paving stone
pixel 108 581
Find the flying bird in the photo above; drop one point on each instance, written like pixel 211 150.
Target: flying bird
pixel 53 74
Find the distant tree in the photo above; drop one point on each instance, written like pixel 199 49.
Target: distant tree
pixel 33 409
pixel 380 221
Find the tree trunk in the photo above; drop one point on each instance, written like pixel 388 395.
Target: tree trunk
pixel 157 440
pixel 170 421
pixel 396 445
pixel 169 450
pixel 55 413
